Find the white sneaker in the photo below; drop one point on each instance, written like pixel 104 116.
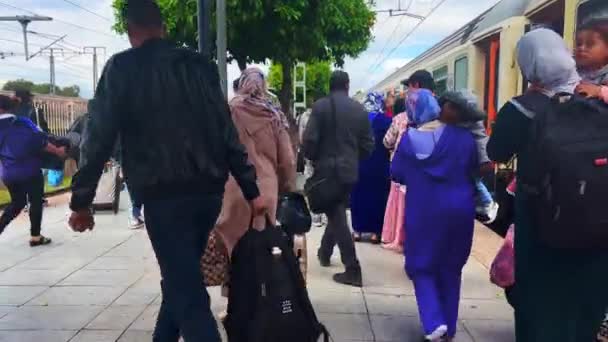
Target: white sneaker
pixel 136 223
pixel 491 212
pixel 438 334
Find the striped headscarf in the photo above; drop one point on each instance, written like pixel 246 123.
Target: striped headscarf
pixel 252 93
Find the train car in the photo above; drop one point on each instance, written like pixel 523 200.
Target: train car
pixel 480 57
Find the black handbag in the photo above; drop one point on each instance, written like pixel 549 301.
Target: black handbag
pixel 293 214
pixel 324 189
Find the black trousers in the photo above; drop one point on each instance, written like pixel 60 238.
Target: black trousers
pixel 31 190
pixel 179 229
pixel 338 233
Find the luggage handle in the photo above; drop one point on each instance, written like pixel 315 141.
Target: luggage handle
pixel 266 217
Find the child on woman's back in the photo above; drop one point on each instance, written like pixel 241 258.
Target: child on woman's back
pixel 592 58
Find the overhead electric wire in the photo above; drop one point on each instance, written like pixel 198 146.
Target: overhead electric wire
pixel 88 10
pixel 19 42
pixel 63 21
pixel 410 33
pixel 53 37
pixel 388 41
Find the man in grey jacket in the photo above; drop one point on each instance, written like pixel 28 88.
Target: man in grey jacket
pixel 342 147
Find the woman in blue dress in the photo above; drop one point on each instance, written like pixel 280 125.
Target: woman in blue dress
pixel 437 161
pixel 370 194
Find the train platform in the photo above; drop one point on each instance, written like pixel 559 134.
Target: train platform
pixel 103 286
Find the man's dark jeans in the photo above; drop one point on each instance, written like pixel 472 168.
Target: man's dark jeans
pixel 179 228
pixel 338 232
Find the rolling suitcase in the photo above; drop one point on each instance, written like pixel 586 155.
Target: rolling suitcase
pixel 107 196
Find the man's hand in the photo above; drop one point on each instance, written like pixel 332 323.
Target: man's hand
pixel 62 152
pixel 589 90
pixel 259 206
pixel 81 221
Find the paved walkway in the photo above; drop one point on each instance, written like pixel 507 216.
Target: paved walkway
pixel 104 287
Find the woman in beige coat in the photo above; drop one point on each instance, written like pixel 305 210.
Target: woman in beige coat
pixel 262 129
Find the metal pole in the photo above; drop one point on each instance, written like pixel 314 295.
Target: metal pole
pixel 95 76
pixel 24 25
pixel 221 44
pixel 204 27
pixel 52 60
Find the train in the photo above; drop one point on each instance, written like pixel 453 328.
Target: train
pixel 481 57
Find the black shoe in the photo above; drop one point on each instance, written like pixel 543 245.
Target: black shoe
pixel 351 277
pixel 43 241
pixel 324 262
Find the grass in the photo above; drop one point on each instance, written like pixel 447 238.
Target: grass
pixel 5 197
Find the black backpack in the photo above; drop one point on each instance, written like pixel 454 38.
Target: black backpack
pixel 569 171
pixel 268 301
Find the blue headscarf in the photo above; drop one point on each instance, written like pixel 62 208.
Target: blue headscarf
pixel 422 107
pixel 374 103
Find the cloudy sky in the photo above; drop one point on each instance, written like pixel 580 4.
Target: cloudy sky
pixel 90 25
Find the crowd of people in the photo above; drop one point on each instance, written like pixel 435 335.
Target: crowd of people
pixel 438 150
pixel 408 167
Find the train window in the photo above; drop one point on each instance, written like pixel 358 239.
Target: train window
pixel 551 17
pixel 441 80
pixel 461 73
pixel 592 9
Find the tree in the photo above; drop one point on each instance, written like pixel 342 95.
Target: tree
pixel 42 88
pixel 18 84
pixel 317 80
pixel 285 31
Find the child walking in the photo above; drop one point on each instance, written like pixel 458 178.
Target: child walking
pixel 592 61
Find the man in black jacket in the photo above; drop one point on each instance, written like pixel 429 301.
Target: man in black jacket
pixel 178 142
pixel 341 147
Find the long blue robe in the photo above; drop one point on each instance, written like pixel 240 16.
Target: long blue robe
pixel 370 194
pixel 439 218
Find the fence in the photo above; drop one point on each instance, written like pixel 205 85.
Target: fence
pixel 59 112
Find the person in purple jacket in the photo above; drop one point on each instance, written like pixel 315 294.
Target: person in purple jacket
pixel 437 162
pixel 21 147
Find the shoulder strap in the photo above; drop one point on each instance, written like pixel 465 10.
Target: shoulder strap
pixel 333 123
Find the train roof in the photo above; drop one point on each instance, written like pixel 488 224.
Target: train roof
pixel 498 13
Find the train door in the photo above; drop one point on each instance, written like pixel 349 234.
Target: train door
pixel 490 49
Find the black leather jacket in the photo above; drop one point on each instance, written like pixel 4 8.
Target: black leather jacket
pixel 177 137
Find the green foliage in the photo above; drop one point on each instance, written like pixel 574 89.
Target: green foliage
pixel 285 31
pixel 42 88
pixel 317 79
pixel 18 84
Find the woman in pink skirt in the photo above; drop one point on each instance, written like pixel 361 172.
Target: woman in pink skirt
pixel 393 231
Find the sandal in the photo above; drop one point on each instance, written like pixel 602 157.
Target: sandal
pixel 42 242
pixel 375 240
pixel 356 237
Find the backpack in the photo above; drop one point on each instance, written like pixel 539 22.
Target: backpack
pixel 268 301
pixel 568 181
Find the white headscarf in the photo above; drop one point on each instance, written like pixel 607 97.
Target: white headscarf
pixel 545 61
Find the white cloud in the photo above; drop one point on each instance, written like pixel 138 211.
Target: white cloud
pixel 389 31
